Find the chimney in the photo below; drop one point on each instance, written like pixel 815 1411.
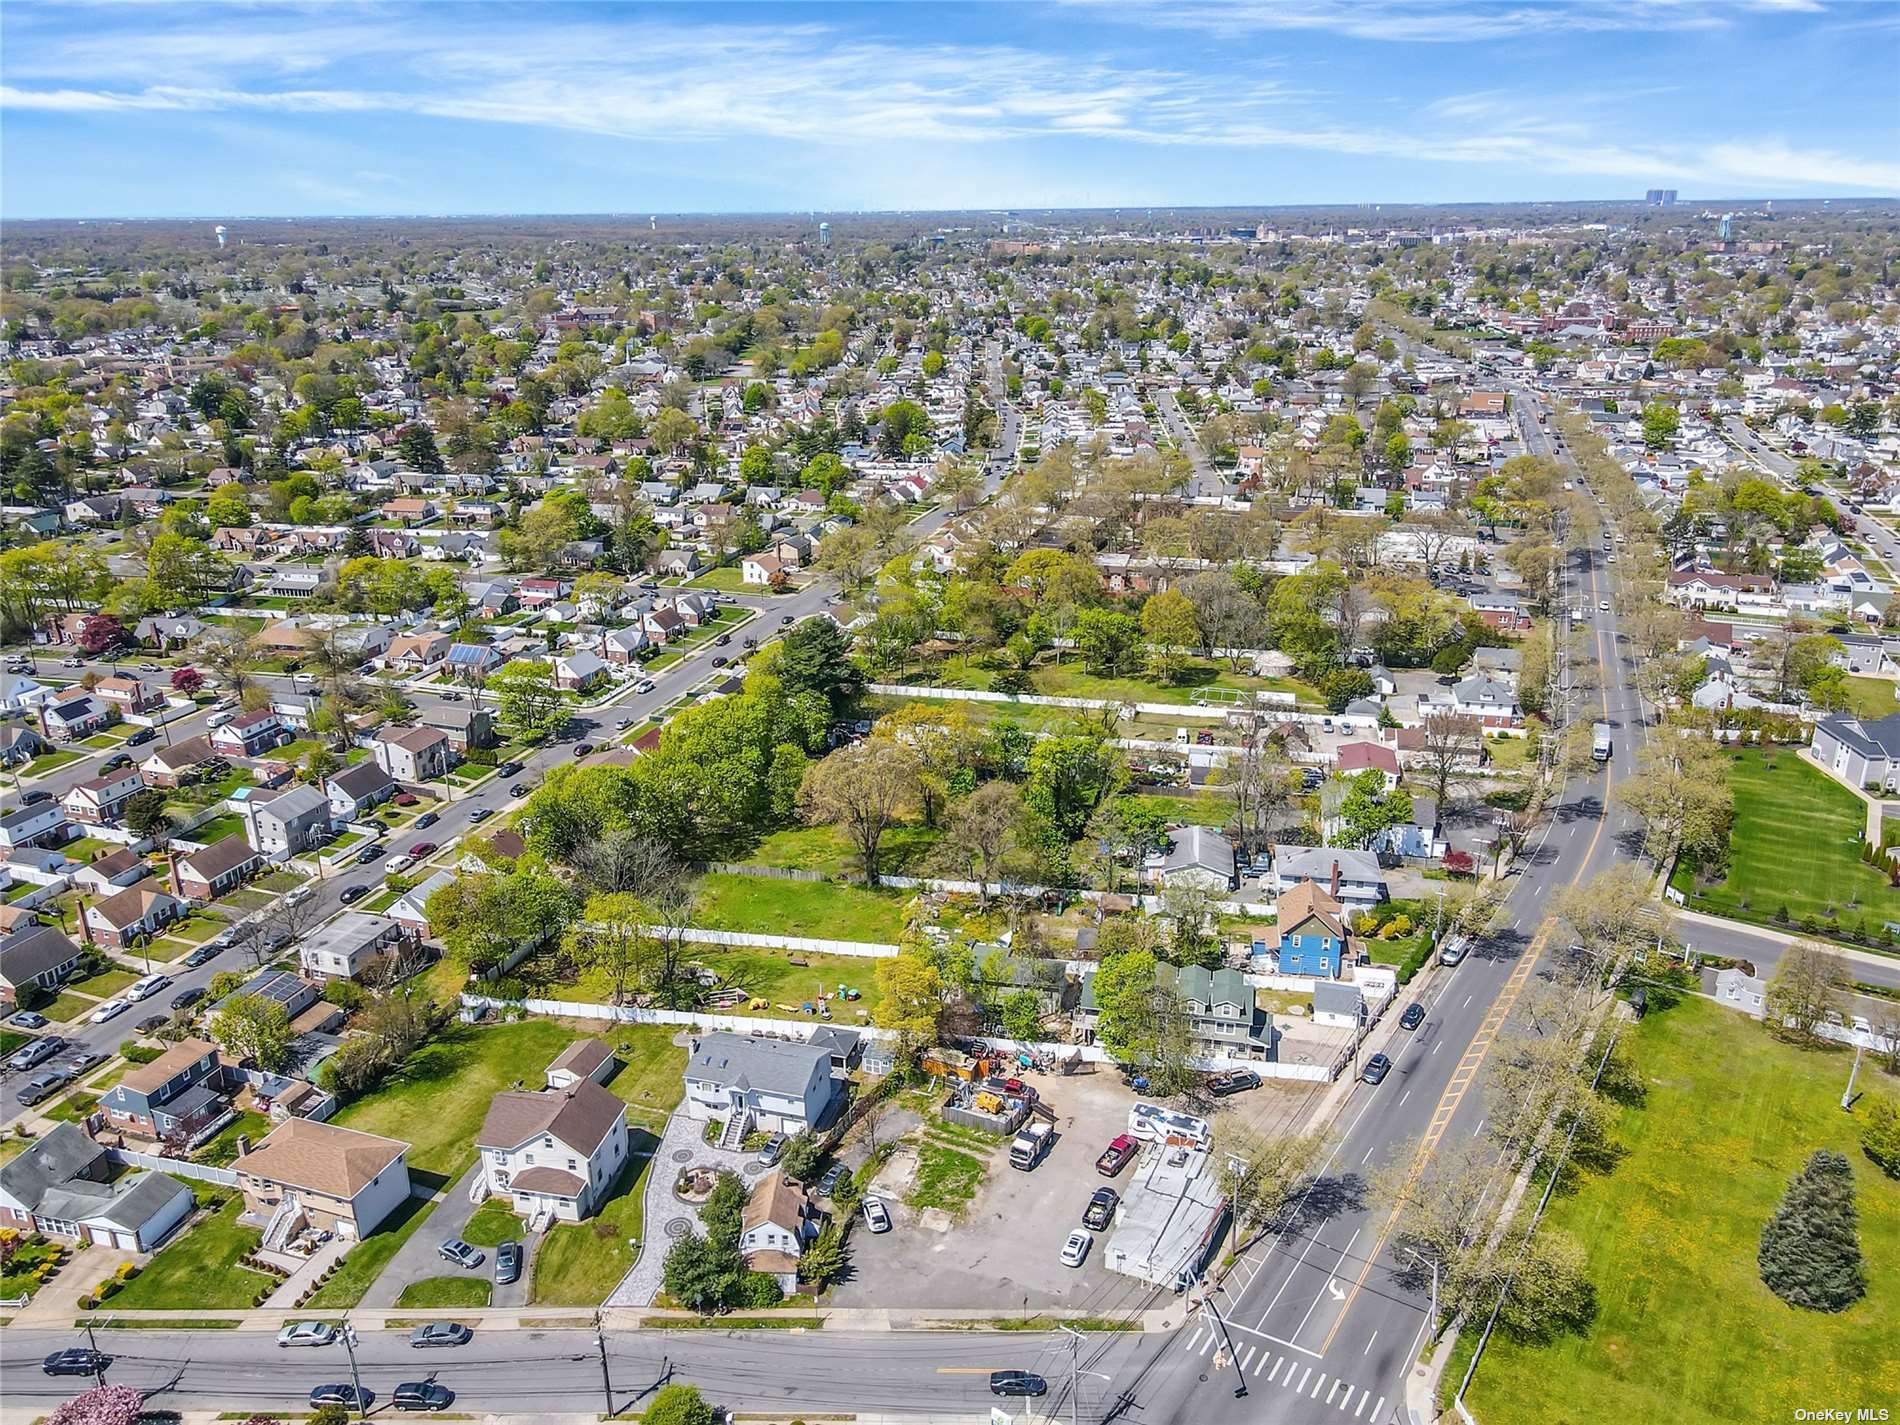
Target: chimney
pixel 243 1144
pixel 85 930
pixel 171 868
pixel 1335 891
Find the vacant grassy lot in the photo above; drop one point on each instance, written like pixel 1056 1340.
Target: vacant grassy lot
pixel 581 1262
pixel 1795 847
pixel 105 984
pixel 1872 697
pixel 818 909
pixel 951 1166
pixel 648 1080
pixel 199 1270
pixel 1671 1234
pixel 1189 809
pixel 445 1291
pixel 828 849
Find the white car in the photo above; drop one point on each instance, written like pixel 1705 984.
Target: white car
pixel 645 685
pixel 219 719
pixel 1075 1251
pixel 147 987
pixel 1604 605
pixel 307 1333
pixel 396 865
pixel 111 1009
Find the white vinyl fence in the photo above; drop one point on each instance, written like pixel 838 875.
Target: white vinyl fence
pixel 177 1167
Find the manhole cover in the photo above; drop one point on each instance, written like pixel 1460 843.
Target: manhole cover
pixel 752 1170
pixel 683 1155
pixel 678 1228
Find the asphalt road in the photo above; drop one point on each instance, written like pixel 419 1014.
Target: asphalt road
pixel 1873 531
pixel 513 1372
pixel 1206 482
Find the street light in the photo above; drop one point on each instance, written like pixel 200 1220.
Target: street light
pixel 1431 1262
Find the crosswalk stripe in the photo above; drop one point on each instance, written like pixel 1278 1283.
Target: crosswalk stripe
pixel 1265 1356
pixel 1247 1359
pixel 1303 1379
pixel 1346 1399
pixel 1318 1383
pixel 1335 1391
pixel 1276 1369
pixel 1362 1405
pixel 1206 1345
pixel 1377 1408
pixel 1194 1341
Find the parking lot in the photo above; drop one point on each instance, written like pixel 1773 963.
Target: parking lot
pixel 1003 1251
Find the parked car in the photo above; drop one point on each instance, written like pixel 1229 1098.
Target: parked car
pixel 115 761
pixel 76 1361
pixel 352 894
pixel 27 1019
pixel 152 1023
pixel 481 814
pixel 427 820
pixel 507 1263
pixel 1075 1251
pixel 461 1254
pixel 1017 1383
pixel 772 1150
pixel 35 797
pixel 375 851
pixel 786 619
pixel 508 769
pixel 41 1087
pixel 520 789
pixel 219 719
pixel 1413 1017
pixel 1377 1067
pixel 185 999
pixel 1118 1155
pixel 344 1394
pixel 421 849
pixel 441 1333
pixel 723 639
pixel 645 685
pixel 306 1333
pixel 720 661
pixel 111 1009
pixel 405 799
pixel 422 1395
pixel 1452 953
pixel 38 1052
pixel 581 749
pixel 1232 1082
pixel 833 1175
pixel 145 988
pixel 204 954
pixel 141 737
pixel 1101 1209
pixel 876 1215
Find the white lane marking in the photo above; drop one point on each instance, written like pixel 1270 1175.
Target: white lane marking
pixel 1437 1046
pixel 1368 1153
pixel 1194 1341
pixel 1303 1380
pixel 1403 1097
pixel 1368 1349
pixel 1314 1393
pixel 1276 1368
pixel 1377 1408
pixel 1362 1405
pixel 1479 1129
pixel 1247 1359
pixel 1265 1356
pixel 1467 1003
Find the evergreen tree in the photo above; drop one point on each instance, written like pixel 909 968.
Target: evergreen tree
pixel 1810 1249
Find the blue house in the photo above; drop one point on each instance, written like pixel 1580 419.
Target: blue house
pixel 1310 937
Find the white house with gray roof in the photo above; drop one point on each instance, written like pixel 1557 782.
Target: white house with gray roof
pixel 779 1085
pixel 1861 752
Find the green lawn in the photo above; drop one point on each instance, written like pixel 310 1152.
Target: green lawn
pixel 49 762
pixel 947 1177
pixel 1207 809
pixel 74 1108
pixel 103 740
pixel 1817 872
pixel 219 827
pixel 821 910
pixel 1685 1331
pixel 165 950
pixel 1872 698
pixel 66 1008
pixel 11 1039
pixel 726 580
pixel 87 847
pixel 220 1151
pixel 581 1262
pixel 199 1271
pixel 828 849
pixel 105 984
pixel 493 1223
pixel 367 1258
pixel 648 1080
pixel 445 1291
pixel 20 1278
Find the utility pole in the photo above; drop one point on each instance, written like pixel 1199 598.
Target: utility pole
pixel 1847 1094
pixel 1418 1256
pixel 356 1380
pixel 606 1380
pixel 98 1361
pixel 1207 1304
pixel 1075 1351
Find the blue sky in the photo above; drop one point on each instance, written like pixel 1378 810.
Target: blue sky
pixel 217 109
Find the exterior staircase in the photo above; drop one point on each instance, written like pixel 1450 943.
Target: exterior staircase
pixel 735 1132
pixel 283 1222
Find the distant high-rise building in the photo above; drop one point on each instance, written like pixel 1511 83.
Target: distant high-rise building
pixel 824 235
pixel 1726 226
pixel 1660 197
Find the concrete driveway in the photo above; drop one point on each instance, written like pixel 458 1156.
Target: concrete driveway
pixel 416 1259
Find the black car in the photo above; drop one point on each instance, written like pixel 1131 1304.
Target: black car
pixel 1232 1082
pixel 422 1395
pixel 720 661
pixel 785 619
pixel 152 1023
pixel 35 797
pixel 520 789
pixel 581 749
pixel 342 1393
pixel 115 761
pixel 1413 1017
pixel 723 639
pixel 185 999
pixel 141 737
pixel 508 769
pixel 1377 1067
pixel 352 894
pixel 375 851
pixel 1101 1209
pixel 428 818
pixel 203 955
pixel 507 1263
pixel 76 1361
pixel 1017 1383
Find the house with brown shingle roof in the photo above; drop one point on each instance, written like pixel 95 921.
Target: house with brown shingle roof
pixel 778 1221
pixel 554 1153
pixel 322 1176
pixel 132 915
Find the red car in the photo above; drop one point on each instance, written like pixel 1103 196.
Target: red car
pixel 421 849
pixel 1117 1156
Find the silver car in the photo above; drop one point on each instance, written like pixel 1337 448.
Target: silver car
pixel 307 1333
